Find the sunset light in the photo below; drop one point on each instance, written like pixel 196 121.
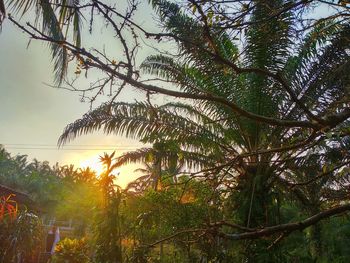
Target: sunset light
pixel 93 163
pixel 124 175
pixel 174 131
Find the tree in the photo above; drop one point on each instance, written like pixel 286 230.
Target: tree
pixel 256 109
pixel 270 73
pixel 107 223
pixel 55 191
pixel 162 163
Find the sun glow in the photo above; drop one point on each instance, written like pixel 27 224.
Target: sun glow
pixel 93 163
pixel 124 174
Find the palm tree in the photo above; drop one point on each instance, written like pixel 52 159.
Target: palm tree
pixel 252 154
pixel 107 225
pixel 163 161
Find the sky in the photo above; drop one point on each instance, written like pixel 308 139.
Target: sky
pixel 33 114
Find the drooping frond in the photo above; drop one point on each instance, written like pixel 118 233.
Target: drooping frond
pixel 320 72
pixel 77 25
pixel 183 158
pixel 70 14
pixel 143 122
pixel 2 11
pixel 189 77
pixel 141 155
pixel 219 120
pixel 55 18
pixel 268 43
pixel 51 27
pixel 195 80
pixel 160 65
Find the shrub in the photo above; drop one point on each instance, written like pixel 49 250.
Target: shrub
pixel 71 251
pixel 20 237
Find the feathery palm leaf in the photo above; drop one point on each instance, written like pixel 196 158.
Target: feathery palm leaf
pixel 141 121
pixel 55 18
pixel 322 73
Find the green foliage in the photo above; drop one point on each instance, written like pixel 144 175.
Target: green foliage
pixel 107 225
pixel 313 67
pixel 253 179
pixel 72 251
pixel 20 238
pixel 336 233
pixel 106 230
pixel 82 196
pixel 157 214
pixel 57 191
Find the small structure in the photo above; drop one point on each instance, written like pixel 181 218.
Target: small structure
pixel 21 198
pixel 53 229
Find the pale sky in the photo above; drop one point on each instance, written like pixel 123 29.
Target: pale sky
pixel 33 115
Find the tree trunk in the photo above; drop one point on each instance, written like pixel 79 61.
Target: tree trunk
pixel 316 242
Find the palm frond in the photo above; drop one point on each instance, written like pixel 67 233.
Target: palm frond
pixel 139 121
pixel 77 28
pixel 192 79
pixel 268 43
pixel 2 11
pixel 159 65
pixel 142 155
pixel 54 18
pixel 52 28
pixel 139 185
pixel 321 75
pixel 190 34
pixel 195 80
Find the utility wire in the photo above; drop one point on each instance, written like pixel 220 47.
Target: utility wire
pixel 70 149
pixel 73 145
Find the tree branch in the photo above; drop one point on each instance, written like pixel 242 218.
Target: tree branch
pixel 289 227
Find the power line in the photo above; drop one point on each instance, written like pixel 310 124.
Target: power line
pixel 70 149
pixel 74 145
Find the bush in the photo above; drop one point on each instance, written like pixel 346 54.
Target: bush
pixel 20 237
pixel 71 251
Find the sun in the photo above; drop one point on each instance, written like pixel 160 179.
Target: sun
pixel 123 175
pixel 93 163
